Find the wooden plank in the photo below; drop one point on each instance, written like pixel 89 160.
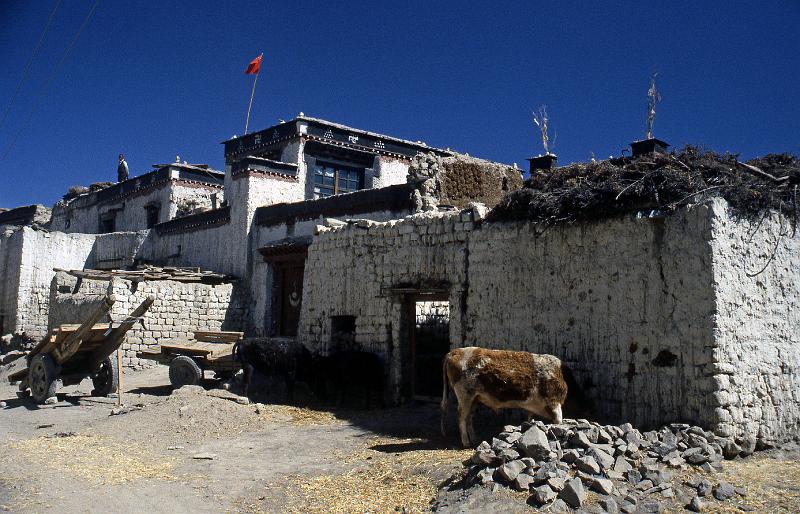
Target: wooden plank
pixel 218 336
pixel 187 348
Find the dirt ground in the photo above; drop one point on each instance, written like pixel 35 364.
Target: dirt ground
pixel 75 456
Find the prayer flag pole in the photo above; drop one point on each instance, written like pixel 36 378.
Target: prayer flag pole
pixel 254 68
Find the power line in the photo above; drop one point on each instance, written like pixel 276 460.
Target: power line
pixel 30 61
pixel 50 80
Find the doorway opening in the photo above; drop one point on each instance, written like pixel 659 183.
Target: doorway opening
pixel 430 342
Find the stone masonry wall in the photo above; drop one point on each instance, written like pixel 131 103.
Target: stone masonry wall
pixel 627 303
pixel 180 309
pixel 349 271
pixel 757 358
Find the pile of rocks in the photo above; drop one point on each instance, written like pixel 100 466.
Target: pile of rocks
pixel 558 463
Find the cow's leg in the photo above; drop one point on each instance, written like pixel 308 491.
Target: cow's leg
pixel 470 424
pixel 465 405
pixel 248 376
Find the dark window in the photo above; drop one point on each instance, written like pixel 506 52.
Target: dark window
pixel 152 215
pixel 334 179
pixel 108 224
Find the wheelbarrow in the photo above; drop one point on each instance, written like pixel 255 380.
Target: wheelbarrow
pixel 188 360
pixel 71 353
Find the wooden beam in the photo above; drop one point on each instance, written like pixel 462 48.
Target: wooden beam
pixel 114 339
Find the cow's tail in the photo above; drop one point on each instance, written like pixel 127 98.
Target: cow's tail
pixel 445 387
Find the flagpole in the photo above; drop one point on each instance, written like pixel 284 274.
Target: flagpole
pixel 250 105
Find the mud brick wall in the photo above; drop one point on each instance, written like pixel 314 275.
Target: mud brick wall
pixel 626 303
pixel 32 255
pixel 757 355
pixel 180 309
pixel 657 316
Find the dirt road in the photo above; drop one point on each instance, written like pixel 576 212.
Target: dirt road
pixel 195 450
pixel 76 457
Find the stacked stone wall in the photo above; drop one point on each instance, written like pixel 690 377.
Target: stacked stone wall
pixel 180 309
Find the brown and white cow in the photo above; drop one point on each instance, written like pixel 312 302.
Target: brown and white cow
pixel 502 379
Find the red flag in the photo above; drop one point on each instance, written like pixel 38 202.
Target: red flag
pixel 254 66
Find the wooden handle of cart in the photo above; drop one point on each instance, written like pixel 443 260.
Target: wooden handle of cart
pixel 114 339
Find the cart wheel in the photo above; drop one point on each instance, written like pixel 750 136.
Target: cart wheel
pixel 105 381
pixel 183 371
pixel 42 377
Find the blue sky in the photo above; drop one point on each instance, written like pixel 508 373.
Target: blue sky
pixel 156 79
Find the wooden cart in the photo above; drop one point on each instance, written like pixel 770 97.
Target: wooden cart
pixel 71 353
pixel 188 360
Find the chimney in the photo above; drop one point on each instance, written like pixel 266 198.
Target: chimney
pixel 648 146
pixel 542 162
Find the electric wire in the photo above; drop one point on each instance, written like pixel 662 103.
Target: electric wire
pixel 30 61
pixel 50 80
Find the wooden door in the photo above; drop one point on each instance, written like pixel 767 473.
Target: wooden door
pixel 291 298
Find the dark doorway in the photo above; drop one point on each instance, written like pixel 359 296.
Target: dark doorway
pixel 430 342
pixel 288 296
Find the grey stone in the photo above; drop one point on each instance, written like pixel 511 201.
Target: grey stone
pixel 704 487
pixel 188 390
pixel 696 505
pixel 723 491
pixel 609 505
pixel 573 493
pixel 634 477
pixel 486 476
pixel 570 456
pixel 557 483
pixel 605 460
pixel 510 470
pixel 649 507
pixel 559 506
pixel 741 491
pixel 508 454
pixel 2 405
pixel 51 401
pixel 668 493
pixel 542 494
pixel 580 440
pixel 603 485
pixel 588 465
pixel 522 482
pixel 499 444
pixel 621 465
pixel 644 485
pixel 534 443
pixel 696 458
pixel 486 458
pixel 560 431
pixel 747 444
pixel 628 508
